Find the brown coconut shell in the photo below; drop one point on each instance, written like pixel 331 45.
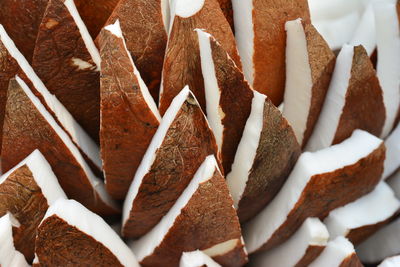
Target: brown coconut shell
pixel 226 7
pixel 351 261
pixel 311 254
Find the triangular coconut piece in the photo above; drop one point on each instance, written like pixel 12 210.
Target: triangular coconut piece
pixel 86 145
pixel 9 256
pixel 129 116
pixel 361 218
pixel 27 191
pixel 72 235
pixel 197 258
pixel 390 262
pixel 148 19
pixel 182 142
pixel 392 160
pixel 68 63
pixel 320 182
pixel 365 33
pixel 338 253
pixel 202 218
pixel 354 101
pixel 309 67
pixel 261 39
pixel 228 97
pixel 182 59
pixel 29 126
pixel 300 250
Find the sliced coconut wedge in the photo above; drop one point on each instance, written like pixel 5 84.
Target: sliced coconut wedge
pixel 261 38
pixel 9 256
pixel 354 101
pixel 150 21
pixel 27 191
pixel 182 142
pixel 320 182
pixel 202 218
pixel 392 161
pixel 67 61
pixel 29 126
pixel 63 238
pixel 86 145
pixel 309 66
pixel 300 250
pixel 388 65
pixel 391 262
pixel 129 116
pixel 361 218
pixel 182 59
pixel 338 253
pixel 365 34
pixel 197 258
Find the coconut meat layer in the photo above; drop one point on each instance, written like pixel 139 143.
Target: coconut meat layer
pixel 392 160
pixel 186 9
pixel 335 253
pixel 391 262
pixel 196 259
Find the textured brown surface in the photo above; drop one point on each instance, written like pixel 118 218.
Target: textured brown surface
pixel 127 122
pixel 61 244
pixel 364 108
pixel 23 198
pixel 351 261
pixel 327 191
pixel 187 143
pixel 269 18
pixel 59 42
pixel 311 254
pixel 25 130
pixel 182 65
pixel 144 18
pixel 95 13
pixel 207 219
pixel 226 6
pixel 277 152
pixel 322 63
pixel 21 19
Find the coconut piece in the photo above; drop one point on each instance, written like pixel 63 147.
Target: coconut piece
pixel 129 116
pixel 182 142
pixel 391 262
pixel 365 34
pixel 29 126
pixel 226 7
pixel 182 64
pixel 361 218
pixel 197 259
pixel 63 238
pixel 354 101
pixel 261 39
pixel 388 65
pixel 150 21
pixel 9 256
pixel 67 61
pixel 309 66
pixel 392 161
pixel 300 250
pixel 202 218
pixel 27 191
pixel 320 182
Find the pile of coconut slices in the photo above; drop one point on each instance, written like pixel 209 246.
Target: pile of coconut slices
pixel 200 133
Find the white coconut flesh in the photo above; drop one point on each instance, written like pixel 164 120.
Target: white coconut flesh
pixel 165 12
pixel 328 121
pixel 391 262
pixel 247 149
pixel 261 228
pixel 78 135
pixel 392 160
pixel 96 183
pixel 335 253
pixel 298 89
pixel 186 9
pixel 373 208
pixel 196 259
pixel 365 34
pixel 312 233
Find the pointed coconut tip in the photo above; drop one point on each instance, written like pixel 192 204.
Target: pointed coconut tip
pixel 115 29
pixel 195 259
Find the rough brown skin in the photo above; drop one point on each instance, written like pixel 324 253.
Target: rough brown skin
pixel 127 122
pixel 61 244
pixel 21 20
pixel 327 191
pixel 277 153
pixel 182 65
pixel 26 130
pixel 351 261
pixel 143 18
pixel 188 142
pixel 202 225
pixel 364 108
pixel 269 18
pixel 226 7
pixel 23 198
pixel 95 13
pixel 322 63
pixel 59 42
pixel 311 254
